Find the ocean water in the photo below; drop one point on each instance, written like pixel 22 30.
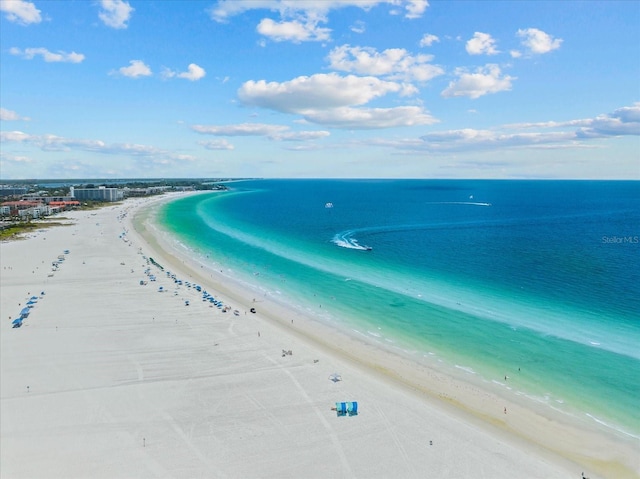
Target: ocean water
pixel 538 281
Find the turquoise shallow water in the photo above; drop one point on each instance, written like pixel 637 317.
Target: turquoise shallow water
pixel 535 280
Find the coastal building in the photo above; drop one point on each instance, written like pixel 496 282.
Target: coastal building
pixel 101 193
pixel 151 190
pixel 25 209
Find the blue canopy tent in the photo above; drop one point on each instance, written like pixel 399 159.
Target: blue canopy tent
pixel 344 408
pixel 25 312
pixel 17 322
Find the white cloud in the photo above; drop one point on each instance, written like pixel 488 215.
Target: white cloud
pixel 485 80
pixel 20 11
pixel 415 8
pixel 51 142
pixel 220 144
pixel 538 42
pixel 47 56
pixel 428 39
pixel 242 129
pixel 274 132
pixel 10 115
pixel 15 158
pixel 320 91
pixel 394 63
pixel 550 135
pixel 358 27
pixel 194 72
pixel 295 31
pixel 300 135
pixel 370 118
pixel 622 122
pixel 515 53
pixel 136 69
pixel 300 19
pixel 225 9
pixel 481 43
pixel 115 13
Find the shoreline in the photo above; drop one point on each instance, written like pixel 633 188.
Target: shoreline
pixel 553 434
pixel 111 378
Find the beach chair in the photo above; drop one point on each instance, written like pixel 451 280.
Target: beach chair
pixel 341 408
pixel 352 408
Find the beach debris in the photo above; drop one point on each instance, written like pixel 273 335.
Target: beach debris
pixel 335 377
pixel 287 353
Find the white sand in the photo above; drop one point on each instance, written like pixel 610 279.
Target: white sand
pixel 107 378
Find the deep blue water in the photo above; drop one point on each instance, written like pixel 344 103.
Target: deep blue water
pixel 537 280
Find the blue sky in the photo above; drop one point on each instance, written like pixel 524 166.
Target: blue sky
pixel 319 88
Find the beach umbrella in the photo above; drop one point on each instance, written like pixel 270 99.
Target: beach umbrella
pixel 335 377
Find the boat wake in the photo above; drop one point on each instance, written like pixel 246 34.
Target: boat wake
pixel 345 239
pixel 472 203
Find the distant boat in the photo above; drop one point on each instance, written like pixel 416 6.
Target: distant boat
pixel 368 248
pixel 328 205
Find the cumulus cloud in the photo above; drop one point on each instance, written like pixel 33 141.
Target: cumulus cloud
pixel 320 91
pixel 115 13
pixel 538 42
pixel 194 72
pixel 415 8
pixel 10 115
pixel 300 19
pixel 20 11
pixel 481 43
pixel 329 100
pixel 295 31
pixel 428 39
pixel 621 122
pixel 136 69
pixel 47 56
pixel 370 118
pixel 576 133
pixel 487 79
pixel 225 9
pixel 394 63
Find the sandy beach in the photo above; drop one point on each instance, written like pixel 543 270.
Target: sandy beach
pixel 108 377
